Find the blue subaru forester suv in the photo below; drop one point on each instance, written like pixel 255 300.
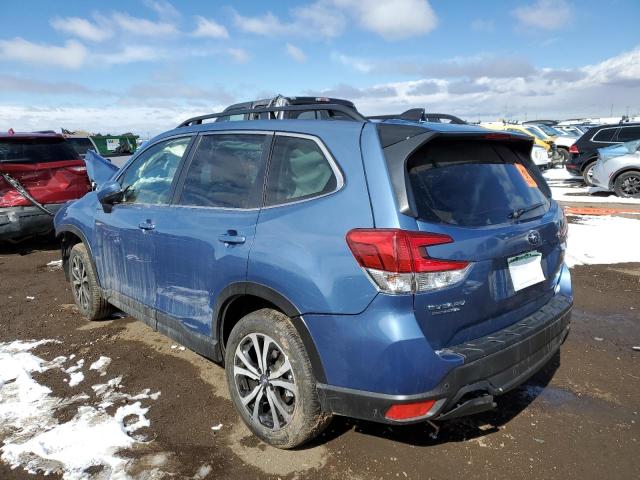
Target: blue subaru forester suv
pixel 393 271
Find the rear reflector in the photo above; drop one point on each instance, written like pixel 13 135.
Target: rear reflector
pixel 397 260
pixel 407 411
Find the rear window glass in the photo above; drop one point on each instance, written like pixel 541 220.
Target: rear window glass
pixel 81 145
pixel 474 183
pixel 39 150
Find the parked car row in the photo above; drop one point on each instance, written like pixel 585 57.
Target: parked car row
pixel 584 152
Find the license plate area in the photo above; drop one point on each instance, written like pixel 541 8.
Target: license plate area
pixel 525 270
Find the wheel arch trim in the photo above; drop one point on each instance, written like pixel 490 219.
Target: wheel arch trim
pixel 67 228
pixel 285 305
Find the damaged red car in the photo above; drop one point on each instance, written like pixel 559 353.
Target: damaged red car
pixel 39 173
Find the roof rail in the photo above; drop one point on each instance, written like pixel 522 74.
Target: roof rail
pixel 349 112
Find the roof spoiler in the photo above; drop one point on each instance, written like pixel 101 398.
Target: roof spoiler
pixel 420 115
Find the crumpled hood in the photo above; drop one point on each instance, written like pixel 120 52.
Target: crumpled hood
pixel 613 151
pixel 99 169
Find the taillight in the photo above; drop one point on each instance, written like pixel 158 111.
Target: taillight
pixel 397 260
pixel 408 411
pixel 563 228
pixel 574 149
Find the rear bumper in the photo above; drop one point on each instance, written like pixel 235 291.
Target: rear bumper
pixel 492 365
pixel 20 222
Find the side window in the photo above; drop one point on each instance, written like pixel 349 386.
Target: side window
pixel 628 133
pixel 149 178
pixel 227 170
pixel 298 170
pixel 604 135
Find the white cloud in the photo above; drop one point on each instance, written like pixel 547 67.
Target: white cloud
pixel 545 14
pixel 82 28
pixel 209 28
pixel 327 19
pixel 239 55
pixel 392 20
pixel 163 8
pixel 130 54
pixel 267 24
pixel 109 117
pixel 18 84
pixel 357 64
pixel 143 26
pixel 516 90
pixel 71 55
pixel 296 53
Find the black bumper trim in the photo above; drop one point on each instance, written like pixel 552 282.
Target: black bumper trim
pixel 493 365
pixel 24 221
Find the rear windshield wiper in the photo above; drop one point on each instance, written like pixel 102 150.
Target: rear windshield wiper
pixel 521 211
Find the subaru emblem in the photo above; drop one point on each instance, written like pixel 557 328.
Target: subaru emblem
pixel 533 237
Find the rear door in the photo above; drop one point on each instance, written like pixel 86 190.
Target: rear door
pixel 495 205
pixel 202 242
pixel 47 167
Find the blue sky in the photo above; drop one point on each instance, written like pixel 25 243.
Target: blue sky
pixel 143 65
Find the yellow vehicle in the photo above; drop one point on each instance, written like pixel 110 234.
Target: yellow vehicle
pixel 513 127
pixel 545 142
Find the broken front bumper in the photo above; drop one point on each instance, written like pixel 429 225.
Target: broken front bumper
pixel 20 222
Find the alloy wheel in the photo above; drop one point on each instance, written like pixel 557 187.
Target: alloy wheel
pixel 631 185
pixel 264 381
pixel 80 282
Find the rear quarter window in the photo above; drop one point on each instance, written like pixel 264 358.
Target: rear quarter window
pixel 604 135
pixel 474 183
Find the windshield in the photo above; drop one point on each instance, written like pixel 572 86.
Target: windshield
pixel 535 132
pixel 475 183
pixel 552 132
pixel 36 150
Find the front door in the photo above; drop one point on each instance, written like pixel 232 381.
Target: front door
pixel 125 234
pixel 202 242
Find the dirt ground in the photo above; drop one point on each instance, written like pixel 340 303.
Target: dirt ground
pixel 578 418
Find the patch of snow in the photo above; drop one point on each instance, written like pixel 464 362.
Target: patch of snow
pixel 35 441
pixel 54 265
pixel 75 378
pixel 101 365
pixel 75 367
pixel 602 240
pixel 202 472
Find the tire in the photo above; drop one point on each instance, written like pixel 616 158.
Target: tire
pixel 566 156
pixel 84 285
pixel 290 394
pixel 627 184
pixel 587 173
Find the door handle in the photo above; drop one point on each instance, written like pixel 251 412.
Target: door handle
pixel 232 238
pixel 146 225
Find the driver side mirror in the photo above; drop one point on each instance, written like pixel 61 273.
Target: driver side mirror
pixel 109 194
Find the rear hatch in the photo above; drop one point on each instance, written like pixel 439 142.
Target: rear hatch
pixel 487 196
pixel 47 167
